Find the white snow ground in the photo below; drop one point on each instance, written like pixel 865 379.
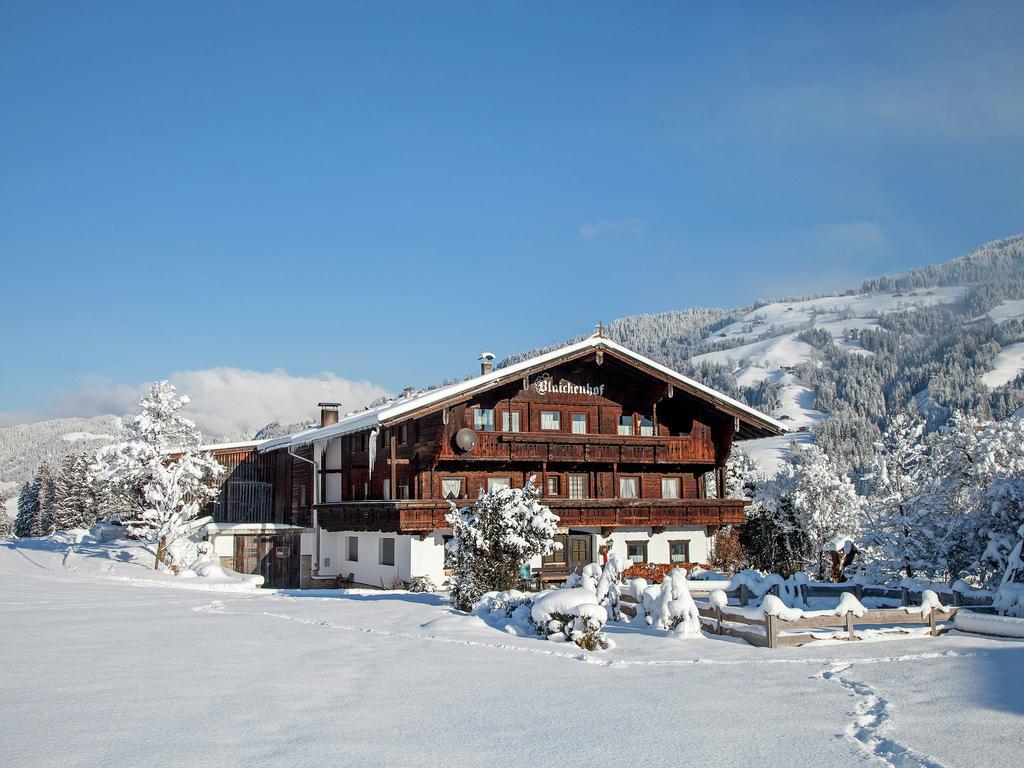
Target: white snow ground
pixel 104 666
pixel 1006 365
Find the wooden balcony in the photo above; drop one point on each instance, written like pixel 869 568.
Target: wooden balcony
pixel 420 517
pixel 562 446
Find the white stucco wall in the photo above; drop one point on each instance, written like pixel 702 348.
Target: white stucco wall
pixel 413 557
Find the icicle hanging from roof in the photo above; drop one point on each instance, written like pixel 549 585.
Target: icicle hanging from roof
pixel 373 448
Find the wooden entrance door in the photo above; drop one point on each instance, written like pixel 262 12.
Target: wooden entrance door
pixel 581 551
pixel 275 558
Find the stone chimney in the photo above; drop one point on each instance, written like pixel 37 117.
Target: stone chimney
pixel 486 366
pixel 328 413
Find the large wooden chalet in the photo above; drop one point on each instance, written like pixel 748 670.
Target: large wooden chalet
pixel 619 444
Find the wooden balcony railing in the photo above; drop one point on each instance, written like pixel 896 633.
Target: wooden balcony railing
pixel 428 515
pixel 561 446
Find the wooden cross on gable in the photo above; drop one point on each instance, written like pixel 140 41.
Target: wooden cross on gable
pixel 600 329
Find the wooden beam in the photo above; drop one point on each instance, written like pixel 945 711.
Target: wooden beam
pixel 394 465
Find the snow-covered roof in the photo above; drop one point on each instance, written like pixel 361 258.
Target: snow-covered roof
pixel 393 410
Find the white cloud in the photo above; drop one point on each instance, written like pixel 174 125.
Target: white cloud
pixel 976 97
pixel 228 403
pixel 631 226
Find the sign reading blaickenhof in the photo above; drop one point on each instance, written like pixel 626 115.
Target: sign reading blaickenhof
pixel 545 385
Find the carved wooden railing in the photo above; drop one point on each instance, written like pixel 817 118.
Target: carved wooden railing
pixel 561 446
pixel 429 515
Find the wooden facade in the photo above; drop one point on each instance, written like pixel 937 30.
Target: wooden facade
pixel 612 442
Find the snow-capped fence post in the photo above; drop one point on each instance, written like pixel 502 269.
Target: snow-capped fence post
pixel 849 625
pixel 933 628
pixel 771 630
pixel 904 595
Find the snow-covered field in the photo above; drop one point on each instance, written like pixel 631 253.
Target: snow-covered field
pixel 106 663
pixel 1006 366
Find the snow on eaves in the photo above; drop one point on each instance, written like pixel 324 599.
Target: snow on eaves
pixel 397 408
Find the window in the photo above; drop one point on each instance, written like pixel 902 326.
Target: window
pixel 302 495
pixel 558 556
pixel 510 421
pixel 364 442
pixel 353 549
pixel 494 483
pixel 366 491
pixel 577 486
pixel 403 491
pixel 550 420
pixel 679 551
pixel 625 425
pixel 670 487
pixel 636 551
pixel 451 487
pixel 646 427
pixel 387 488
pixel 403 433
pixel 387 551
pixel 629 487
pixel 552 485
pixel 579 423
pixel 483 419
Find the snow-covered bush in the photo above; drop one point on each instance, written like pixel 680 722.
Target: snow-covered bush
pixel 571 614
pixel 490 541
pixel 674 610
pixel 422 584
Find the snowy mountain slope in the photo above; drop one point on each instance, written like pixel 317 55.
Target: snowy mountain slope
pixel 24 446
pixel 837 314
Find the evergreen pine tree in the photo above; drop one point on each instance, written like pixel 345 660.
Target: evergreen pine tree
pixel 72 507
pixel 44 488
pixel 28 507
pixel 6 525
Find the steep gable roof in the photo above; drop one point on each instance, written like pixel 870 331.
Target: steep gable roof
pixel 753 422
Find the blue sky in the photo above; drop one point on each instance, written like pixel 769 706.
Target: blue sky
pixel 382 190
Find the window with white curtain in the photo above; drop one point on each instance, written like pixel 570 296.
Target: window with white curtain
pixel 510 421
pixel 577 486
pixel 451 487
pixel 550 420
pixel 494 483
pixel 646 427
pixel 629 487
pixel 625 425
pixel 670 487
pixel 483 419
pixel 579 423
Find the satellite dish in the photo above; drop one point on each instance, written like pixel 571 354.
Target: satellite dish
pixel 465 439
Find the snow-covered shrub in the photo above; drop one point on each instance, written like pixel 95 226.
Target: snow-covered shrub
pixel 490 541
pixel 422 584
pixel 609 586
pixel 1009 598
pixel 674 610
pixel 571 614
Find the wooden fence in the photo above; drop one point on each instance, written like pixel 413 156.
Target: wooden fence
pixel 766 631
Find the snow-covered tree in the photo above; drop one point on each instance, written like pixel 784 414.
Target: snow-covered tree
pixel 6 524
pixel 160 497
pixel 36 504
pixel 491 540
pixel 74 507
pixel 899 524
pixel 799 513
pixel 44 487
